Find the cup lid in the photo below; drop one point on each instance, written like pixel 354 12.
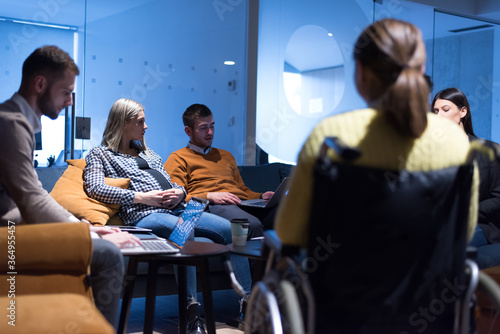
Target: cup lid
pixel 240 220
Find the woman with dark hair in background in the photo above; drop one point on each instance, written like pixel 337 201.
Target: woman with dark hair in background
pixel 451 103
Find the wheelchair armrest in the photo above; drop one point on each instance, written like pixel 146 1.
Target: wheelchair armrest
pixel 273 243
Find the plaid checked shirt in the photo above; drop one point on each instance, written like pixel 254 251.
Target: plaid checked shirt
pixel 102 162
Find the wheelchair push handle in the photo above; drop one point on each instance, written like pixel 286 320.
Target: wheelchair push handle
pixel 345 151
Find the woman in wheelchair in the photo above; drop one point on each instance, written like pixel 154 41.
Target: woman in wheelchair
pixel 393 211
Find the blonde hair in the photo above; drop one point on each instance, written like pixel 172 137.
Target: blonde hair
pixel 122 111
pixel 394 51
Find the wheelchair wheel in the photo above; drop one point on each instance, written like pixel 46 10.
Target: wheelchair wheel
pixel 292 320
pixel 263 314
pixel 274 307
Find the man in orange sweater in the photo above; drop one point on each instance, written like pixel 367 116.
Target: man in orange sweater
pixel 212 173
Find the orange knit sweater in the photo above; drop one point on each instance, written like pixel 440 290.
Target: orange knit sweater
pixel 200 173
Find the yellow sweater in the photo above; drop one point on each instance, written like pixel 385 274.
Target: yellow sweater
pixel 443 144
pixel 200 173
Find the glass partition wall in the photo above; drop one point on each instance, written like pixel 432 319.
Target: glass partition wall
pixel 25 26
pixel 170 54
pixel 466 57
pixel 166 55
pixel 460 53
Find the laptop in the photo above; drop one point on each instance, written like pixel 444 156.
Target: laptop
pixel 273 201
pixel 151 244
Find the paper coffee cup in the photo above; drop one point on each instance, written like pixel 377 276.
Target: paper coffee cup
pixel 239 231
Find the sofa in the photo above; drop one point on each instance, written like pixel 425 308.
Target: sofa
pixel 259 178
pixel 44 280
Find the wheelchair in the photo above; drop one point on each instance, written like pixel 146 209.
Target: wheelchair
pixel 397 264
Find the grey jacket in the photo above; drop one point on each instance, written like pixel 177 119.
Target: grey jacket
pixel 21 194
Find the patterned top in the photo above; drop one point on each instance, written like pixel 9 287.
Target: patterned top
pixel 102 162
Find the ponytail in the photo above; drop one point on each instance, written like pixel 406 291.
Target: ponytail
pixel 395 53
pixel 405 102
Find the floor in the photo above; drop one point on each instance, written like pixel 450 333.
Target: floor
pixel 226 309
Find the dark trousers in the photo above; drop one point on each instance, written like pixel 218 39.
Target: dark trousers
pixel 106 278
pixel 259 218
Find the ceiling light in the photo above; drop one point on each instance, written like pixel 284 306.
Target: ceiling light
pixel 472 28
pixel 41 24
pixel 229 62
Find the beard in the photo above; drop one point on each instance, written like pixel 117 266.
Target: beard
pixel 47 106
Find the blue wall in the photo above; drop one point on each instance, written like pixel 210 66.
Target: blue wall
pixel 465 61
pixel 167 56
pixel 280 130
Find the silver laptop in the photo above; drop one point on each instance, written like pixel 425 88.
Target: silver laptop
pixel 152 244
pixel 273 201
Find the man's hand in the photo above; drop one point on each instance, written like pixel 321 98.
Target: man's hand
pixel 223 198
pixel 102 230
pixel 122 239
pixel 267 195
pixel 119 238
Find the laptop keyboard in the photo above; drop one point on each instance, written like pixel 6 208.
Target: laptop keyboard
pixel 256 202
pixel 156 245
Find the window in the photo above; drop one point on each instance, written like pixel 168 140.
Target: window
pixel 18 39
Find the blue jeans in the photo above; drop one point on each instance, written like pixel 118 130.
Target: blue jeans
pixel 209 226
pixel 488 255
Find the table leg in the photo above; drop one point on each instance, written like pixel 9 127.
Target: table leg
pixel 149 317
pixel 259 268
pixel 207 296
pixel 128 293
pixel 182 286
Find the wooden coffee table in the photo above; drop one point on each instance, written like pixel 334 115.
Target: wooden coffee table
pixel 193 253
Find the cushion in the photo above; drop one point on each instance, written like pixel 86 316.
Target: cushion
pixel 80 163
pixel 69 193
pixel 52 313
pixel 49 258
